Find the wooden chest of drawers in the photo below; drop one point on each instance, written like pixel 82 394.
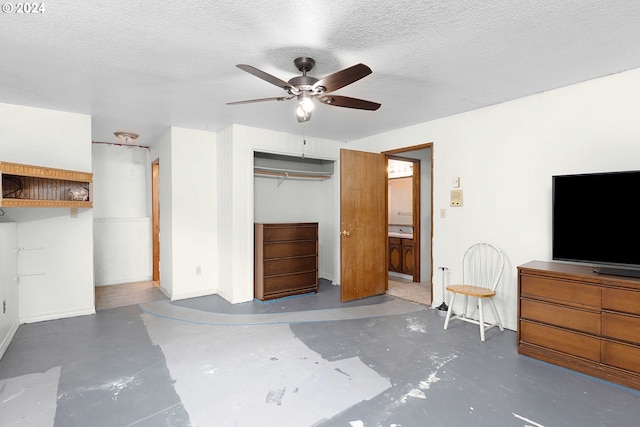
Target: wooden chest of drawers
pixel 286 259
pixel 570 316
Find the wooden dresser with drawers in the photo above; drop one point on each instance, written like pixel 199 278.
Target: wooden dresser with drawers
pixel 286 259
pixel 571 316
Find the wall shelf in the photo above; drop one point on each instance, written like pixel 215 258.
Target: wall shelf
pixel 42 187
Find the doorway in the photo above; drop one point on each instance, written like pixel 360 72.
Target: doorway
pixel 403 205
pixel 418 284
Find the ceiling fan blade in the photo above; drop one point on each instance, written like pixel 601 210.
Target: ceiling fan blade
pixel 342 78
pixel 265 76
pixel 274 98
pixel 347 102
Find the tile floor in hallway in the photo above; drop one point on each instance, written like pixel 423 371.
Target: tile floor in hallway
pixel 112 296
pixel 300 361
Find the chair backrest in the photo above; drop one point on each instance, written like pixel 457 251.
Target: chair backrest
pixel 482 265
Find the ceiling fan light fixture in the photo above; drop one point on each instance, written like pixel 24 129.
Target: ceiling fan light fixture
pixel 306 87
pixel 305 103
pixel 127 137
pixel 303 116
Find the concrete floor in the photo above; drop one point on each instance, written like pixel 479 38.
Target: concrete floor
pixel 300 361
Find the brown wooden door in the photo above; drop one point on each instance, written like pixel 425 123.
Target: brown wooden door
pixel 363 220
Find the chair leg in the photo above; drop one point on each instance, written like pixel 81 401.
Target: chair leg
pixel 446 320
pixel 466 301
pixel 481 310
pixel 495 313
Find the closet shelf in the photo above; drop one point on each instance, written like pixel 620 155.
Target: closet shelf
pixel 289 173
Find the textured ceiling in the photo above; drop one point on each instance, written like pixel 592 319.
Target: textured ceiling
pixel 144 66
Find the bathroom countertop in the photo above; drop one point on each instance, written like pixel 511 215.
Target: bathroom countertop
pixel 401 235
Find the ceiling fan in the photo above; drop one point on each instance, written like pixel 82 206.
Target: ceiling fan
pixel 305 87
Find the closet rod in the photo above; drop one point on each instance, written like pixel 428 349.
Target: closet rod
pixel 282 174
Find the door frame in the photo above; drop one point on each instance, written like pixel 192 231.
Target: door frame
pixel 155 219
pixel 399 152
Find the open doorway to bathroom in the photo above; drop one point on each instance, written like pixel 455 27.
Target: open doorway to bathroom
pixel 410 223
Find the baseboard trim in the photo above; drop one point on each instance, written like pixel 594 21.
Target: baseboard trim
pixel 7 339
pixel 56 316
pixel 177 297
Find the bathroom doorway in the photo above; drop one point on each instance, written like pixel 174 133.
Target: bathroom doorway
pixel 410 221
pixel 403 179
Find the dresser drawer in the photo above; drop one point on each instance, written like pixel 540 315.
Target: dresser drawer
pixel 621 300
pixel 289 249
pixel 621 356
pixel 561 340
pixel 566 317
pixel 284 233
pixel 290 283
pixel 290 265
pixel 560 291
pixel 619 326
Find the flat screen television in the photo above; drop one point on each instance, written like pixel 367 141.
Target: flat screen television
pixel 596 220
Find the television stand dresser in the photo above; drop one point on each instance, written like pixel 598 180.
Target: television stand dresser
pixel 573 317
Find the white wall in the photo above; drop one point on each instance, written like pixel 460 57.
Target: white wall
pixel 505 156
pixel 194 218
pixel 236 147
pixel 8 284
pixel 188 213
pixel 59 140
pixel 227 180
pixel 121 214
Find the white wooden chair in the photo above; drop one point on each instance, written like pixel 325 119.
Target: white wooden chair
pixel 482 266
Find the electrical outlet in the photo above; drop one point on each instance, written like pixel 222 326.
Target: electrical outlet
pixel 456 198
pixel 198 269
